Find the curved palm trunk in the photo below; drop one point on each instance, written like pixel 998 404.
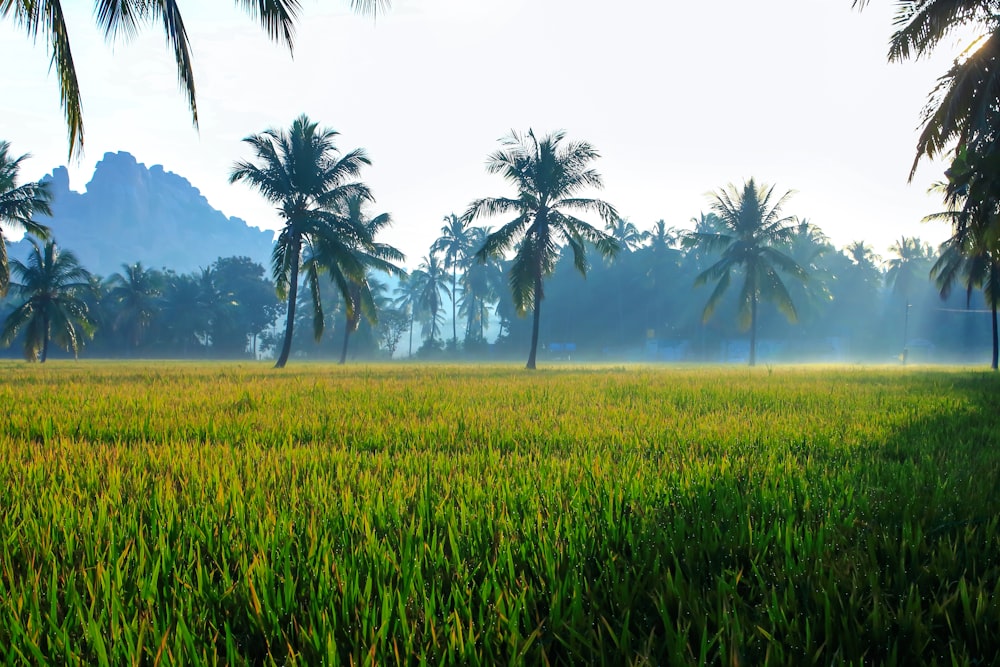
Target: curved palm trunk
pixel 293 290
pixel 534 322
pixel 995 341
pixel 753 329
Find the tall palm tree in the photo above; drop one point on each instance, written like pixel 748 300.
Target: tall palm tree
pixel 964 106
pixel 407 299
pixel 429 279
pixel 53 285
pixel 125 18
pixel 750 231
pixel 19 204
pixel 455 245
pixel 349 260
pixel 549 173
pixel 481 283
pixel 975 263
pixel 303 174
pixel 135 293
pixel 909 267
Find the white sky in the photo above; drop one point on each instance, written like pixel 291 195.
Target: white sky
pixel 679 98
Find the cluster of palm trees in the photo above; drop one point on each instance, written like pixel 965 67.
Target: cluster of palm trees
pixel 138 311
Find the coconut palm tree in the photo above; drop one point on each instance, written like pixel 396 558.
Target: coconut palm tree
pixel 305 176
pixel 481 284
pixel 455 245
pixel 909 267
pixel 407 299
pixel 549 174
pixel 625 233
pixel 125 18
pixel 135 293
pixel 19 204
pixel 53 285
pixel 661 238
pixel 963 109
pixel 429 279
pixel 349 260
pixel 975 263
pixel 750 231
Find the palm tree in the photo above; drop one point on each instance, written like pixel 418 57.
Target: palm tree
pixel 864 258
pixel 548 173
pixel 349 259
pixel 54 285
pixel 909 267
pixel 135 292
pixel 124 18
pixel 625 233
pixel 661 238
pixel 408 299
pixel 455 243
pixel 975 263
pixel 750 229
pixel 301 171
pixel 963 107
pixel 481 282
pixel 429 283
pixel 18 205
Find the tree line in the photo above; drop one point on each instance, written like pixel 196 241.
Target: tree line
pixel 755 262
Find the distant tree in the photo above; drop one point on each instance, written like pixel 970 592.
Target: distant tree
pixel 407 300
pixel 454 244
pixel 751 231
pixel 125 18
pixel 53 285
pixel 862 255
pixel 549 173
pixel 625 233
pixel 910 266
pixel 349 260
pixel 974 263
pixel 134 294
pixel 661 238
pixel 429 283
pixel 190 306
pixel 19 204
pixel 248 303
pixel 482 283
pixel 302 172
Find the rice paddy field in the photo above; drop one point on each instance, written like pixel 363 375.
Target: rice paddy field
pixel 171 513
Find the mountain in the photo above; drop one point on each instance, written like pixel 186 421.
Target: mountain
pixel 132 213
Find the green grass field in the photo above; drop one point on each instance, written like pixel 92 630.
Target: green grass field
pixel 178 513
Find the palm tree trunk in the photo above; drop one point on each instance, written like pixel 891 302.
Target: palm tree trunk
pixel 454 316
pixel 412 318
pixel 534 321
pixel 995 341
pixel 343 351
pixel 293 291
pixel 45 339
pixel 753 329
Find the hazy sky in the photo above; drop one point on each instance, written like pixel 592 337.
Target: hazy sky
pixel 679 98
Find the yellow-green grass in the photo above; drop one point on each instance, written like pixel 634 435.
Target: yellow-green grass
pixel 222 513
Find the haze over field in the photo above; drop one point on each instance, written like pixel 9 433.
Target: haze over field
pixel 678 100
